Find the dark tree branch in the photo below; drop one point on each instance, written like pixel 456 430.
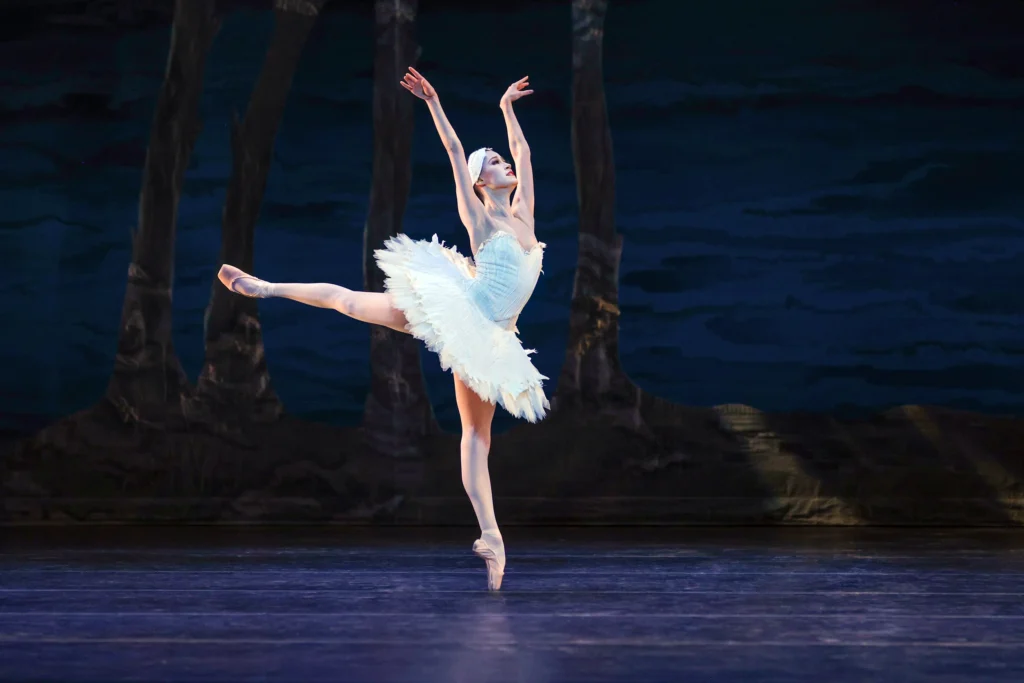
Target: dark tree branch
pixel 592 374
pixel 235 382
pixel 398 411
pixel 148 382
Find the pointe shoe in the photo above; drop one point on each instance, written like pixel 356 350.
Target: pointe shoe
pixel 240 282
pixel 495 563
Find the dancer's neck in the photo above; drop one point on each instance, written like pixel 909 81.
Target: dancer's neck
pixel 498 203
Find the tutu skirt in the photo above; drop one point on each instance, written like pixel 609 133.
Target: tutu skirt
pixel 450 309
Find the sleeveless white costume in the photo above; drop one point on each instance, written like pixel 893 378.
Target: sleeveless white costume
pixel 465 311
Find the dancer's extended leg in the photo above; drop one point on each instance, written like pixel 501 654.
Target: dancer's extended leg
pixel 477 415
pixel 368 307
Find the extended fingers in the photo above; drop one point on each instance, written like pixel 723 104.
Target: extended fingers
pixel 415 73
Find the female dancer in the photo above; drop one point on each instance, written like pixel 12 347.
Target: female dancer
pixel 464 309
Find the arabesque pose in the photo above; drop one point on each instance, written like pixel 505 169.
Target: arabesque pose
pixel 463 309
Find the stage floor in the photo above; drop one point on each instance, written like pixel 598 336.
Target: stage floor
pixel 303 604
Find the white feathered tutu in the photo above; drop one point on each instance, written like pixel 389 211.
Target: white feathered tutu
pixel 465 312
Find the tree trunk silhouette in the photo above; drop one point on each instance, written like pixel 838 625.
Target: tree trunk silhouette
pixel 592 375
pixel 235 382
pixel 398 410
pixel 148 384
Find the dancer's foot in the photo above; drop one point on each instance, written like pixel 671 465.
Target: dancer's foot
pixel 242 283
pixel 492 549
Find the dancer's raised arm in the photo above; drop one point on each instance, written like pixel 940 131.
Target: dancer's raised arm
pixel 522 203
pixel 471 210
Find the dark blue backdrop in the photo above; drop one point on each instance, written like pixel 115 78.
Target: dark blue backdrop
pixel 821 201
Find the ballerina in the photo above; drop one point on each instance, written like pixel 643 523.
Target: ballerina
pixel 463 309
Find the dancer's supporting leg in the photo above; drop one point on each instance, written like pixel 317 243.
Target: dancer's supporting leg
pixel 477 415
pixel 369 307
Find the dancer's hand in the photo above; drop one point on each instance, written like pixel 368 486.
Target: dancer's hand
pixel 515 91
pixel 415 83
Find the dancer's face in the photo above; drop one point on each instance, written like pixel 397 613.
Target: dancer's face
pixel 496 173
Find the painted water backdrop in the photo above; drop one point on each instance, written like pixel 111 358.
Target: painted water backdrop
pixel 821 202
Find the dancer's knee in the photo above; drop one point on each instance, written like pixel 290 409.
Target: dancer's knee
pixel 476 441
pixel 343 302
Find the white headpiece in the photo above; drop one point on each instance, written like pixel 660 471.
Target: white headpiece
pixel 476 163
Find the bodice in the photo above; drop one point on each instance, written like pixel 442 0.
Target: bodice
pixel 506 275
